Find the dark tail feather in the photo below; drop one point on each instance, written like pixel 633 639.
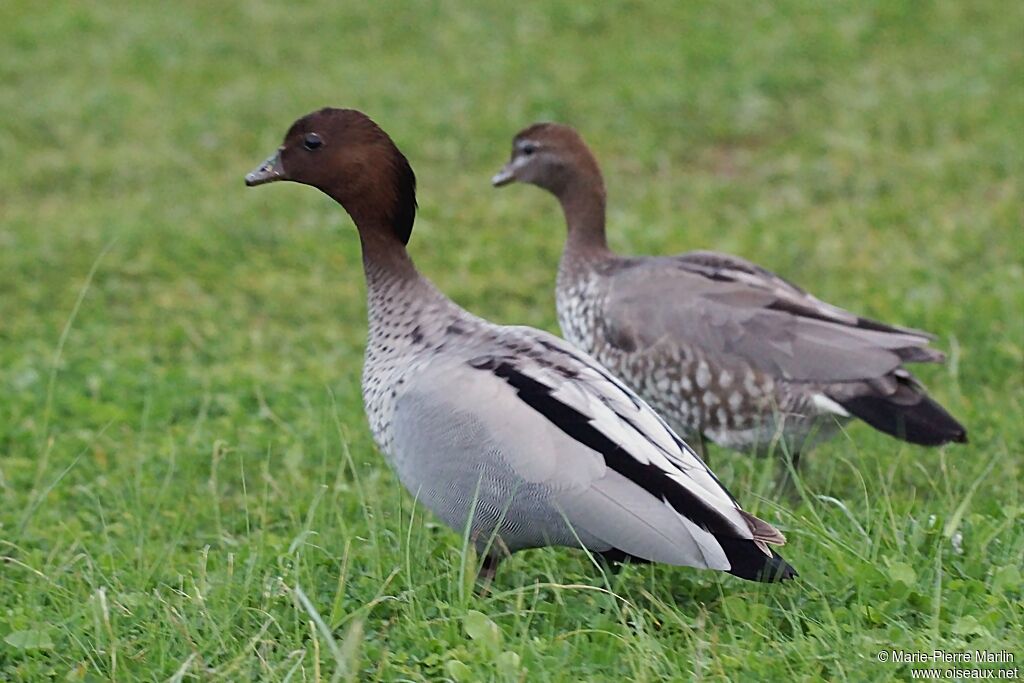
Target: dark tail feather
pixel 749 562
pixel 908 414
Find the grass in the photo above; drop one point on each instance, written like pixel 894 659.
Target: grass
pixel 189 489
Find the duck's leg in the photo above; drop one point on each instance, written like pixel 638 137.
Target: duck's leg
pixel 701 443
pixel 790 470
pixel 493 553
pixel 488 568
pixel 613 560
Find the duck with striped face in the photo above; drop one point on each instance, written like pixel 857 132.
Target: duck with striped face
pixel 724 349
pixel 510 433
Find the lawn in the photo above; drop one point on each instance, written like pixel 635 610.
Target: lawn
pixel 188 488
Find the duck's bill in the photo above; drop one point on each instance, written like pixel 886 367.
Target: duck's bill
pixel 503 177
pixel 269 171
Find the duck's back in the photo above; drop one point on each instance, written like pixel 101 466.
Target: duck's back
pixel 728 349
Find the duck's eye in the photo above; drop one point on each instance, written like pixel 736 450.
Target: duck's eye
pixel 312 141
pixel 528 148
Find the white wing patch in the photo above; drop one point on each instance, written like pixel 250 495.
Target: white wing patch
pixel 714 556
pixel 827 405
pixel 627 421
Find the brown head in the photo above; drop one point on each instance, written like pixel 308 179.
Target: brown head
pixel 344 154
pixel 552 156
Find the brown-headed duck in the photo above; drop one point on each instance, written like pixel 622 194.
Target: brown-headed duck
pixel 722 348
pixel 509 431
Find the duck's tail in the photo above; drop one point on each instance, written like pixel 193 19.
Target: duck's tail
pixel 905 411
pixel 749 561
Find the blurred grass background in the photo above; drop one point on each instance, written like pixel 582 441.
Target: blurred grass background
pixel 188 485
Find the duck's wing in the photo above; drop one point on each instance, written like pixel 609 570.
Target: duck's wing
pixel 726 267
pixel 733 309
pixel 602 457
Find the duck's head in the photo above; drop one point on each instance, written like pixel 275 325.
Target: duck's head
pixel 343 153
pixel 552 156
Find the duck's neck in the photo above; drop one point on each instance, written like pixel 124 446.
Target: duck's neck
pixel 386 262
pixel 395 291
pixel 583 203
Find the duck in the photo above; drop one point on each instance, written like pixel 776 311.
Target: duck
pixel 506 433
pixel 724 349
